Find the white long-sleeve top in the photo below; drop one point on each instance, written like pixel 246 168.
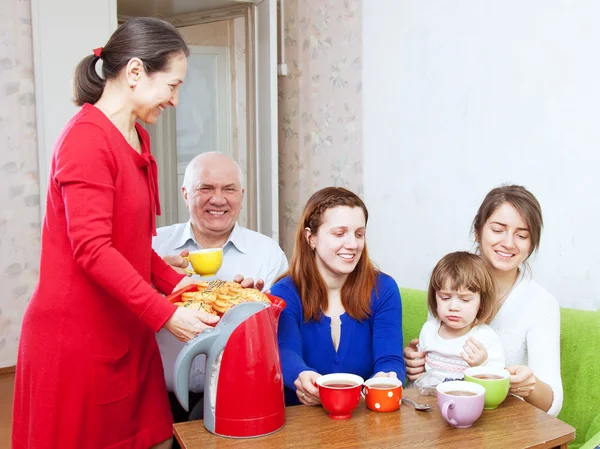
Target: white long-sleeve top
pixel 528 324
pixel 443 360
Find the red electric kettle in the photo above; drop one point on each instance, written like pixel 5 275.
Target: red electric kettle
pixel 243 385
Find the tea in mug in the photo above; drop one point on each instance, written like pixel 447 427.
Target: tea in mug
pixel 338 385
pixel 384 386
pixel 488 376
pixel 460 393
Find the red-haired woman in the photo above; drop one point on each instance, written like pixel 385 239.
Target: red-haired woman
pixel 342 314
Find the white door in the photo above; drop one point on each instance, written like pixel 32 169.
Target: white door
pixel 203 114
pixel 64 32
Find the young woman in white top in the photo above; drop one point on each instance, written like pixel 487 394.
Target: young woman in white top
pixel 507 230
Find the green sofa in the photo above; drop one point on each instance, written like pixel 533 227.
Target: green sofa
pixel 580 363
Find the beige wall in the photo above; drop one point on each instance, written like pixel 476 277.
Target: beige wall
pixel 19 185
pixel 216 34
pixel 320 106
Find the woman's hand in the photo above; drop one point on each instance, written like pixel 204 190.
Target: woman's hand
pixel 178 263
pixel 188 281
pixel 522 380
pixel 186 323
pixel 414 360
pixel 249 282
pixel 382 374
pixel 474 353
pixel 306 390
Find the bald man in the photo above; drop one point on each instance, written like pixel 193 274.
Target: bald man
pixel 213 192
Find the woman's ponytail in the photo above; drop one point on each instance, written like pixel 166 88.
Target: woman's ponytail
pixel 152 40
pixel 87 84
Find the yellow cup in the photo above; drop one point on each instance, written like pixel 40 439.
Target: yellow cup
pixel 205 262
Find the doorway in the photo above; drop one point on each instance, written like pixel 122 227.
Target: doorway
pixel 207 111
pixel 232 44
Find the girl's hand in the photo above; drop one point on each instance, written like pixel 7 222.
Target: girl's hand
pixel 186 323
pixel 474 353
pixel 414 360
pixel 522 380
pixel 382 374
pixel 306 390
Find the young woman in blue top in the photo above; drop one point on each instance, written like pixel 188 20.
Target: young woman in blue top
pixel 342 315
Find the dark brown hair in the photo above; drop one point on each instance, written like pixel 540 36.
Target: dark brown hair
pixel 521 199
pixel 152 40
pixel 356 292
pixel 463 270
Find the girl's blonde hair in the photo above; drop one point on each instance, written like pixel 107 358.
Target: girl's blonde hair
pixel 463 270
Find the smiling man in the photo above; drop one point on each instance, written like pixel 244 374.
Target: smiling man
pixel 213 193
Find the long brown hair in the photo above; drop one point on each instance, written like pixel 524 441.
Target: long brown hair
pixel 356 291
pixel 521 199
pixel 152 40
pixel 463 270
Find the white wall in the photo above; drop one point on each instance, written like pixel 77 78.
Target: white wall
pixel 64 31
pixel 461 96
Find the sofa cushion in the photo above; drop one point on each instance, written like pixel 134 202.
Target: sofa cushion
pixel 580 368
pixel 593 433
pixel 592 439
pixel 414 313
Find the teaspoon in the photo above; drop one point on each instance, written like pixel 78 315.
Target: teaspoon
pixel 419 407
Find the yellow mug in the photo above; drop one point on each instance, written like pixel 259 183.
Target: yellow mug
pixel 205 262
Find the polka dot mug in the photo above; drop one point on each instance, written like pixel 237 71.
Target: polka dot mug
pixel 383 394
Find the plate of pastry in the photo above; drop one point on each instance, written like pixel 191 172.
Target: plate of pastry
pixel 215 297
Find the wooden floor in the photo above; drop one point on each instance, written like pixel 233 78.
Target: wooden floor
pixel 6 399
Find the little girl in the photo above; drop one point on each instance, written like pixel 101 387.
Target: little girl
pixel 461 299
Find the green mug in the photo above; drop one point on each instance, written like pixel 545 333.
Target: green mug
pixel 496 382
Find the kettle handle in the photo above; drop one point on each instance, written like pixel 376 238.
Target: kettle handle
pixel 200 344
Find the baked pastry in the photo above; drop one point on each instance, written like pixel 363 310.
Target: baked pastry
pixel 201 306
pixel 217 297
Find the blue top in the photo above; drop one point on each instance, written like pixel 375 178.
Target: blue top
pixel 366 347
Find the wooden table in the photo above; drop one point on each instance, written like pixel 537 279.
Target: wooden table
pixel 515 424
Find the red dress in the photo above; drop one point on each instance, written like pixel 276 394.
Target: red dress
pixel 89 373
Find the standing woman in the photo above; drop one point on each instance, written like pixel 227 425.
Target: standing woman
pixel 342 314
pixel 507 230
pixel 89 374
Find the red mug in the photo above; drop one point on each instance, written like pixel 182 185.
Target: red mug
pixel 340 393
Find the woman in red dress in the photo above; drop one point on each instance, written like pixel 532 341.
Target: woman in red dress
pixel 89 374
